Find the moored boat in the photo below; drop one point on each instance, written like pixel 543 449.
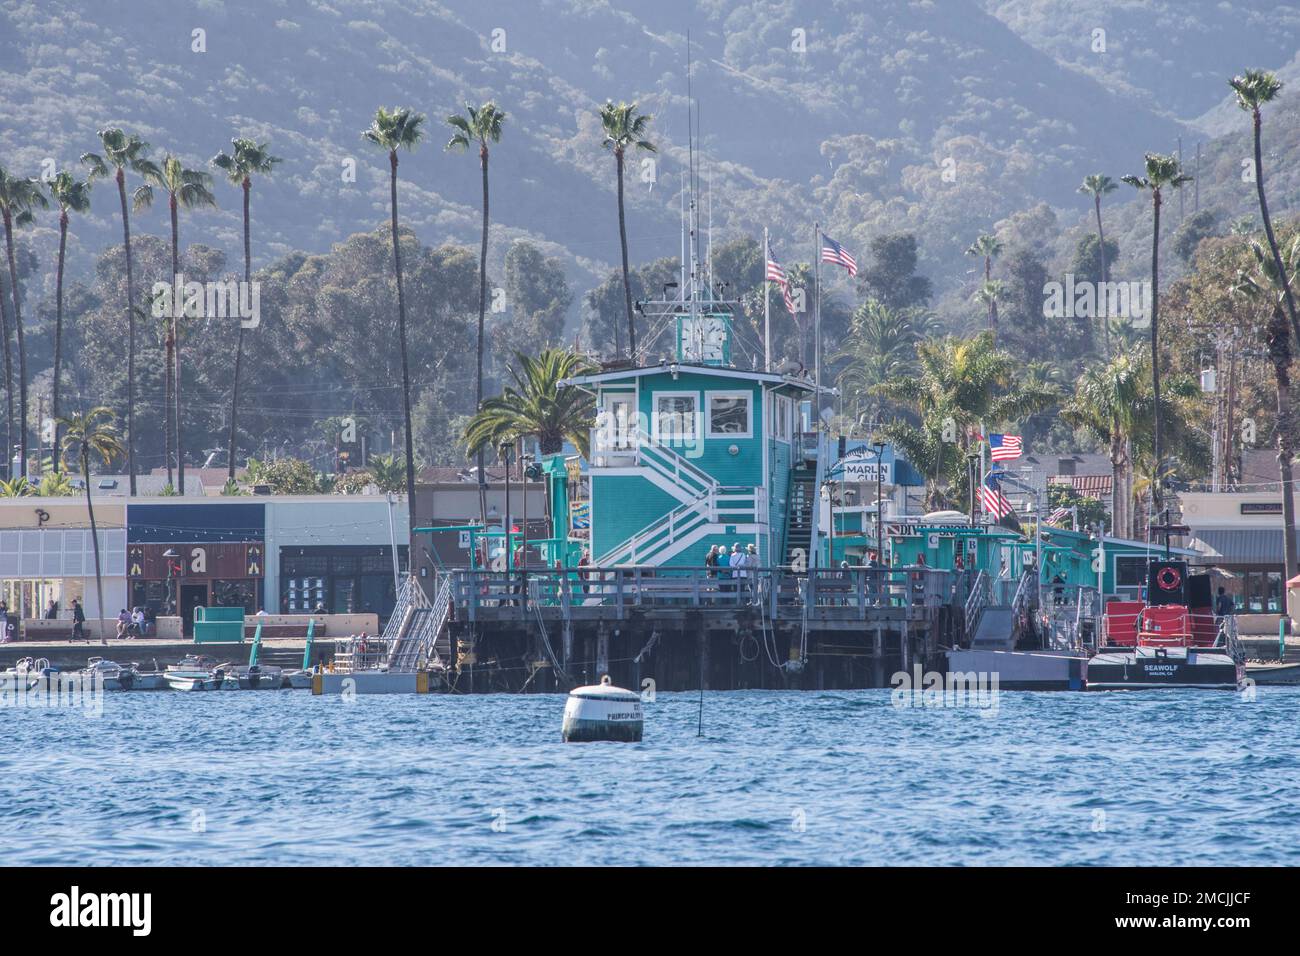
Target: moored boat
pixel 259 677
pixel 191 674
pixel 1172 639
pixel 108 675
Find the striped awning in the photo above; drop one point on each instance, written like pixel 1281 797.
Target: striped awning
pixel 1238 545
pixel 1090 486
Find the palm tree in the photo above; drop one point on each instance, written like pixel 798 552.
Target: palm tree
pixel 989 292
pixel 1270 284
pixel 989 247
pixel 248 157
pixel 71 195
pixel 395 129
pixel 8 372
pixel 94 432
pixel 1254 89
pixel 481 126
pixel 387 472
pixel 1104 403
pixel 957 385
pixel 881 344
pixel 625 128
pixel 122 152
pixel 1096 186
pixel 18 197
pixel 185 188
pixel 1162 172
pixel 536 407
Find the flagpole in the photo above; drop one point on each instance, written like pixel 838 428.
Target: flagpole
pixel 767 308
pixel 983 470
pixel 817 322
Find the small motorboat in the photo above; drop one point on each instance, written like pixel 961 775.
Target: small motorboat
pixel 259 677
pixel 299 679
pixel 24 675
pixel 1274 672
pixel 1172 639
pixel 148 680
pixel 108 675
pixel 218 678
pixel 192 664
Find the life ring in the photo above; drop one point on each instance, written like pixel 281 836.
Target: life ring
pixel 1168 578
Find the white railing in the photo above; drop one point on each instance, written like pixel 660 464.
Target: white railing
pixel 660 533
pixel 976 601
pixel 730 505
pixel 666 462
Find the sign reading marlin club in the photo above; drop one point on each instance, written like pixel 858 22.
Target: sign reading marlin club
pixel 862 467
pixel 212 560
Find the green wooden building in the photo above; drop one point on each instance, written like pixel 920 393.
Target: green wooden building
pixel 690 453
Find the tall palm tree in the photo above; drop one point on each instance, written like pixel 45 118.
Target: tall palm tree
pixel 989 292
pixel 18 197
pixel 122 152
pixel 1104 402
pixel 8 372
pixel 1096 186
pixel 399 128
pixel 535 406
pixel 625 129
pixel 95 432
pixel 1270 284
pixel 479 126
pixel 71 195
pixel 248 157
pixel 989 247
pixel 1254 88
pixel 186 189
pixel 1162 172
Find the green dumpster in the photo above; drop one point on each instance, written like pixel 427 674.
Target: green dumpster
pixel 217 625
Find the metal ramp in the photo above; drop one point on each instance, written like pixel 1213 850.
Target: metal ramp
pixel 416 630
pixel 995 631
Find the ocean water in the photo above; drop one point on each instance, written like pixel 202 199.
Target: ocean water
pixel 284 778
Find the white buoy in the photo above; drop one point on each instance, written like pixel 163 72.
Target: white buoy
pixel 602 712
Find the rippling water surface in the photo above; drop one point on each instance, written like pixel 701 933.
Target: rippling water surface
pixel 778 778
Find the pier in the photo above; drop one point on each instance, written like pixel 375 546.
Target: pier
pixel 683 627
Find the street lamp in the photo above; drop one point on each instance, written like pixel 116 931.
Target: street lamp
pixel 170 555
pixel 879 448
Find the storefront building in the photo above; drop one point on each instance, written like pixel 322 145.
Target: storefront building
pixel 334 553
pixel 47 554
pixel 1239 534
pixel 185 555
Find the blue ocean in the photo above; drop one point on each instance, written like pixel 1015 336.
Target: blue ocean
pixel 812 778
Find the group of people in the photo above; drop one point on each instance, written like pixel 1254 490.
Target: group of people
pixel 140 622
pixel 734 569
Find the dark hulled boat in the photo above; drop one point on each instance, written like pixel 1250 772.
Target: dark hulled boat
pixel 1171 639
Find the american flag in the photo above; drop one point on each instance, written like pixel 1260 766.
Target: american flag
pixel 991 497
pixel 776 274
pixel 1059 515
pixel 832 251
pixel 774 271
pixel 1005 447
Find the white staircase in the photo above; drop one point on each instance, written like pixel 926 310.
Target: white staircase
pixel 705 507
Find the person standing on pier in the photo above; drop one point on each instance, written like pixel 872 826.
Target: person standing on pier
pixel 711 562
pixel 751 572
pixel 78 621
